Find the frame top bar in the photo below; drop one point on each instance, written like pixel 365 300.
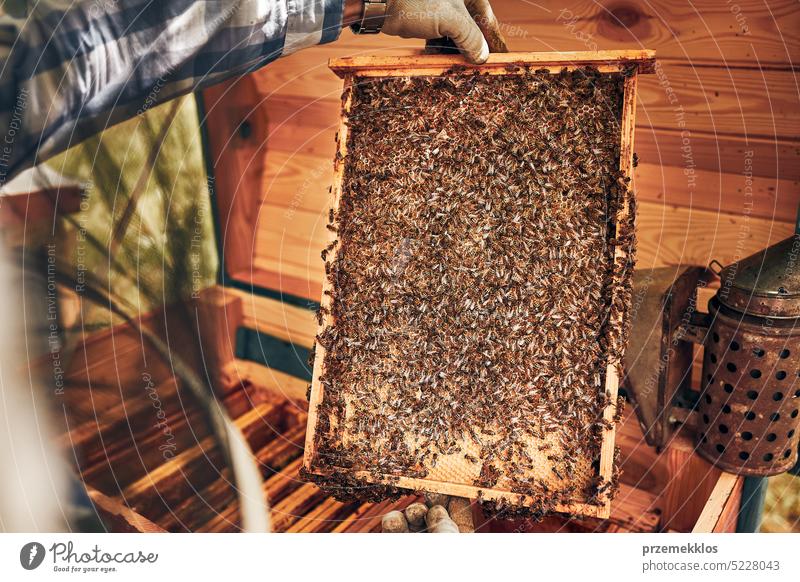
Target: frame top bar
pixel 436 64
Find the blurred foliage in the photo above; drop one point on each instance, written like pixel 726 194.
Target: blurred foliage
pixel 146 226
pixel 782 506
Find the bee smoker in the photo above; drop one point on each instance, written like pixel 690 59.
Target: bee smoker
pixel 747 413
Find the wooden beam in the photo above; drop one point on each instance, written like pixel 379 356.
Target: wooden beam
pixel 722 507
pixel 275 382
pixel 325 516
pixel 218 314
pixel 689 485
pixel 117 517
pixel 236 132
pixel 293 324
pixel 275 487
pixel 168 482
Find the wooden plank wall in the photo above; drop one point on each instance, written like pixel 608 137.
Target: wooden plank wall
pixel 717 131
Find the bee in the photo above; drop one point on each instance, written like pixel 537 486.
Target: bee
pixel 321 313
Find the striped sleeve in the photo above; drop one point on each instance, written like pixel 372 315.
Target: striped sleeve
pixel 71 68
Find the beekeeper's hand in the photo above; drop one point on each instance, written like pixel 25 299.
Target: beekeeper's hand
pixel 456 19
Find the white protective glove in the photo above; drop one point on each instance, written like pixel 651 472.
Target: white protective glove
pixel 456 19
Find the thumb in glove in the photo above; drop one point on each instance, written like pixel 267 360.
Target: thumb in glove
pixel 437 18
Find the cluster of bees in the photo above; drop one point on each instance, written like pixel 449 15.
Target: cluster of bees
pixel 472 320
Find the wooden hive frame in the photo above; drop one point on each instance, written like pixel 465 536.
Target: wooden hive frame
pixel 631 63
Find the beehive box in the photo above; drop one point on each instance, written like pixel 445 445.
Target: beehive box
pixel 478 274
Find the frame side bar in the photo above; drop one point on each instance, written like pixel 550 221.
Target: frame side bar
pixel 317 389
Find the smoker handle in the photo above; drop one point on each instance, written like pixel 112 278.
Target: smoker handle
pixel 719 266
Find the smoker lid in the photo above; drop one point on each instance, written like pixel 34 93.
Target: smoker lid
pixel 766 283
